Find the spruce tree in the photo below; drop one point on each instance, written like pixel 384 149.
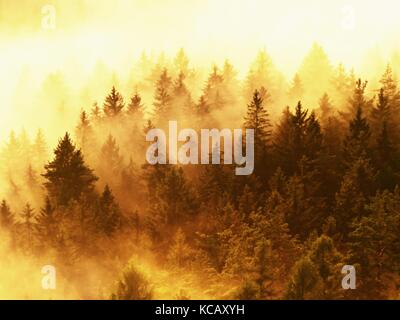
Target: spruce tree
pixel 296 91
pixel 357 141
pixel 84 132
pixel 47 224
pixel 386 160
pixel 27 225
pixel 6 216
pixel 162 98
pixel 108 217
pixel 257 118
pixel 136 107
pixel 67 174
pixel 114 103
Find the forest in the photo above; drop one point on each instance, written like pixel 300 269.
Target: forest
pixel 324 192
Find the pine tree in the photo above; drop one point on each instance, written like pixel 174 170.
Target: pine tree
pixel 263 73
pixel 343 84
pixel 296 91
pixel 180 254
pixel 315 73
pixel 298 135
pixel 171 198
pixel 257 118
pixel 374 246
pixel 95 112
pixel 162 98
pixel 67 175
pixel 6 216
pixel 111 160
pixel 305 282
pixel 32 179
pixel 203 108
pixel 179 87
pixel 317 274
pixel 27 226
pixel 326 109
pixel 109 216
pixel 389 86
pixel 114 103
pixel 357 141
pixel 47 226
pixel 215 90
pixel 386 160
pixel 181 62
pixel 136 107
pixel 357 101
pixel 40 152
pixel 133 286
pixel 357 186
pixel 84 132
pixel 381 112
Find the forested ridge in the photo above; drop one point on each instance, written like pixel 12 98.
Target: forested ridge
pixel 324 192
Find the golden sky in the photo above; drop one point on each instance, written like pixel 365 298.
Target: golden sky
pixel 210 30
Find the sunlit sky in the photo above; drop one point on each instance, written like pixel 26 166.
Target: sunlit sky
pixel 118 31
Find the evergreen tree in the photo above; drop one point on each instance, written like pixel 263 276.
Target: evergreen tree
pixel 298 135
pixel 111 160
pixel 343 84
pixel 40 152
pixel 171 198
pixel 375 246
pixel 162 98
pixel 95 112
pixel 317 274
pixel 215 90
pixel 357 101
pixel 6 216
pixel 114 103
pixel 27 228
pixel 47 225
pixel 84 132
pixel 181 62
pixel 109 216
pixel 133 286
pixel 305 282
pixel 257 118
pixel 357 186
pixel 180 254
pixel 386 160
pixel 203 108
pixel 67 175
pixel 136 107
pixel 325 108
pixel 296 91
pixel 263 73
pixel 315 73
pixel 357 141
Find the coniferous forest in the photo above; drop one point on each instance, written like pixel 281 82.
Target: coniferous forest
pixel 324 194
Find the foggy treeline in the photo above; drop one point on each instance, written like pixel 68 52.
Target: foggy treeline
pixel 324 192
